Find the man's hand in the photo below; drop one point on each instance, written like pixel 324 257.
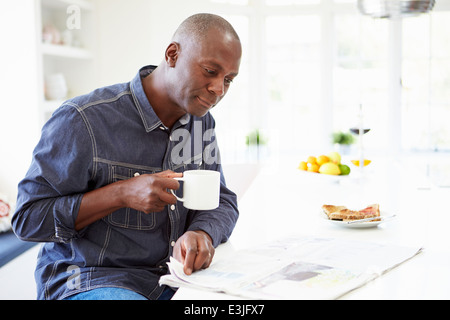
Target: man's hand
pixel 146 193
pixel 194 250
pixel 149 192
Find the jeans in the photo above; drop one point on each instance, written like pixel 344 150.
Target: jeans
pixel 117 294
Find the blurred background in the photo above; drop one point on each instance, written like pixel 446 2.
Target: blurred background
pixel 311 71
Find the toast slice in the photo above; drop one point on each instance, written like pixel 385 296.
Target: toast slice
pixel 330 209
pixel 344 214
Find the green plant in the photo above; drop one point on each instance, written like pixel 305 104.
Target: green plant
pixel 255 138
pixel 343 138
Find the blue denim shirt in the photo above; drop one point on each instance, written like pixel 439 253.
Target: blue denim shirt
pixel 96 139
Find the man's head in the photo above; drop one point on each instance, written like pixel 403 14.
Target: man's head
pixel 201 62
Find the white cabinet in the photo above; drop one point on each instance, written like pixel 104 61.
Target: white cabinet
pixel 66 51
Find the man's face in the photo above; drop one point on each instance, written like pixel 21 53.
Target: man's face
pixel 203 72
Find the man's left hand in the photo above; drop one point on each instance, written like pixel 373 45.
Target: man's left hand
pixel 194 250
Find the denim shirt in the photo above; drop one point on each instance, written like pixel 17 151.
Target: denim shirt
pixel 91 141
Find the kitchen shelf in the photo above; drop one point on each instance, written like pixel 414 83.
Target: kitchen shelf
pixel 65 51
pixel 70 52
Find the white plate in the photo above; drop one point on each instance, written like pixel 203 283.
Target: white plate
pixel 360 225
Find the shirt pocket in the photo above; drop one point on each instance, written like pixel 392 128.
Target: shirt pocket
pixel 127 217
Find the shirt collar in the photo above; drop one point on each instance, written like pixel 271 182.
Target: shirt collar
pixel 148 115
pixel 149 118
pixel 185 119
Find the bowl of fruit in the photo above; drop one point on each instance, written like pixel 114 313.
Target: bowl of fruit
pixel 329 165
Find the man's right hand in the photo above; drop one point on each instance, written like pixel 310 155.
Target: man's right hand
pixel 149 192
pixel 146 193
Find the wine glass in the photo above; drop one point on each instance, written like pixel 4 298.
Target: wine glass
pixel 359 131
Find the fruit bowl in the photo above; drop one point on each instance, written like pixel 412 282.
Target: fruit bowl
pixel 327 167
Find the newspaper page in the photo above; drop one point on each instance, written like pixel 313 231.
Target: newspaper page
pixel 294 268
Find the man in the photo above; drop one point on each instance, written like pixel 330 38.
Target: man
pixel 97 191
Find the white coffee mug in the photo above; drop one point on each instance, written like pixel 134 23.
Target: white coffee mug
pixel 201 189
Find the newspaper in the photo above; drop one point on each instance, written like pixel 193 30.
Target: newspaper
pixel 294 268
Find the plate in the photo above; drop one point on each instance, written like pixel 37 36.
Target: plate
pixel 360 225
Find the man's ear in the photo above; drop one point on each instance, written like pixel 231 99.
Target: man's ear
pixel 172 52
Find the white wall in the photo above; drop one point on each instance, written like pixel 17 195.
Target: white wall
pixel 18 90
pixel 136 33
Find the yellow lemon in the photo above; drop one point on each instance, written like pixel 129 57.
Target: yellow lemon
pixel 366 162
pixel 313 167
pixel 335 157
pixel 312 160
pixel 322 159
pixel 330 168
pixel 303 166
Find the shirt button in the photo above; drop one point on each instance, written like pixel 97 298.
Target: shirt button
pixel 172 207
pixel 172 243
pixel 162 128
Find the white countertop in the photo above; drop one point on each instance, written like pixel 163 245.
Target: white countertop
pixel 284 201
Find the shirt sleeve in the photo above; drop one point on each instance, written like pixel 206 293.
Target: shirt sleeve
pixel 49 196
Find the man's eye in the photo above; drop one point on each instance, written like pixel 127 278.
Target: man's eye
pixel 210 71
pixel 228 81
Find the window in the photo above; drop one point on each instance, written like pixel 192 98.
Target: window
pixel 426 81
pixel 309 65
pixel 293 83
pixel 360 76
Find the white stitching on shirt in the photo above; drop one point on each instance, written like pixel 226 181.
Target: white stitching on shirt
pixel 127 165
pixel 81 108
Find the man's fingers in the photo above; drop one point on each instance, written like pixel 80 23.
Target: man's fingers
pixel 198 257
pixel 194 250
pixel 167 198
pixel 190 257
pixel 169 174
pixel 203 258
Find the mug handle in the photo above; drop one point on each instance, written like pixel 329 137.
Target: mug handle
pixel 171 190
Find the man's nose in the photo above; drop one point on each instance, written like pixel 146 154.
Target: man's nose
pixel 217 87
